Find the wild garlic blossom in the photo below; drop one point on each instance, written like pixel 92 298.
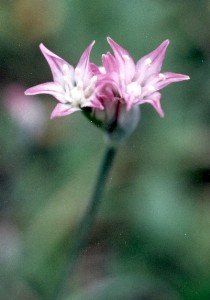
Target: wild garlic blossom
pixel 138 83
pixel 73 88
pixel 110 93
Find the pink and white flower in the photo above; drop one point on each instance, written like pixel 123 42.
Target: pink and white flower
pixel 137 83
pixel 73 88
pixel 109 95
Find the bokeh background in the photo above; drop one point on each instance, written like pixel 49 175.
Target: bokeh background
pixel 151 239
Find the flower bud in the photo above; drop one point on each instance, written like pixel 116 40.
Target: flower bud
pixel 125 125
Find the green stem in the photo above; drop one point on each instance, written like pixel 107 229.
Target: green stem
pixel 86 224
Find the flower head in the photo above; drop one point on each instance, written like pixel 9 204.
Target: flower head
pixel 109 95
pixel 141 82
pixel 73 88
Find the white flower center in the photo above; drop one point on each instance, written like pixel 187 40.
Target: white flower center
pixel 75 92
pixel 134 88
pixel 76 95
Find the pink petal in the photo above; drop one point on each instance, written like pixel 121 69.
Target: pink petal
pixel 154 100
pixel 105 94
pixel 107 86
pixel 125 61
pixel 117 49
pixel 109 63
pixel 84 63
pixel 62 110
pixel 168 78
pixel 56 64
pixel 157 82
pixel 50 88
pixel 94 103
pixel 151 63
pixel 95 69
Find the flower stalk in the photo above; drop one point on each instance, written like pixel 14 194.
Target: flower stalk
pixel 87 222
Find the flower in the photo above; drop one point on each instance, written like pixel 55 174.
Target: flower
pixel 73 88
pixel 137 83
pixel 109 95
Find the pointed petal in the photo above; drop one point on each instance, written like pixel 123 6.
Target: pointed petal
pixel 57 64
pixel 157 82
pixel 109 62
pixel 151 63
pixel 117 49
pixel 50 88
pixel 83 67
pixel 44 88
pixel 124 59
pixel 154 100
pixel 62 110
pixel 168 78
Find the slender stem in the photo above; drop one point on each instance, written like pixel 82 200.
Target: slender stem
pixel 88 219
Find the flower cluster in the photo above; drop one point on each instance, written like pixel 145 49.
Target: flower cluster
pixel 109 94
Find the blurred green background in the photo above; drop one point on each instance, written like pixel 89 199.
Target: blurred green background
pixel 151 240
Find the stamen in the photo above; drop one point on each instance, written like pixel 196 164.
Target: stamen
pixel 80 84
pixel 162 76
pixel 67 88
pixel 126 57
pixel 102 70
pixel 66 77
pixel 148 61
pixel 65 69
pixel 89 90
pixel 93 80
pixel 77 72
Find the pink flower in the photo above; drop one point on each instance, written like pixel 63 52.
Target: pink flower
pixel 136 83
pixel 109 95
pixel 73 88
